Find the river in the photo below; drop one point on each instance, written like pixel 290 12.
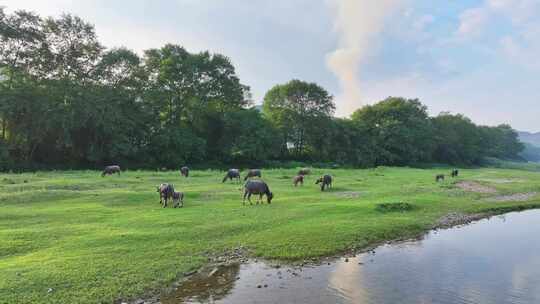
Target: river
pixel 494 260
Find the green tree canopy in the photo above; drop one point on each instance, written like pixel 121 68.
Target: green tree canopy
pixel 400 129
pixel 297 108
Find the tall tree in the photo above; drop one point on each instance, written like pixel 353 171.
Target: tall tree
pixel 458 140
pixel 21 37
pixel 296 108
pixel 401 129
pixel 193 92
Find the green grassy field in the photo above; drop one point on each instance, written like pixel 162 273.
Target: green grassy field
pixel 75 237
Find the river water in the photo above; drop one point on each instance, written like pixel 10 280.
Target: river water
pixel 494 260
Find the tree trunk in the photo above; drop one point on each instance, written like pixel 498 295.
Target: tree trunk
pixel 4 128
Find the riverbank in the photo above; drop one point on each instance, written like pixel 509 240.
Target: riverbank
pixel 76 237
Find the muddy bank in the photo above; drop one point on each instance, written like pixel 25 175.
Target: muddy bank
pixel 458 219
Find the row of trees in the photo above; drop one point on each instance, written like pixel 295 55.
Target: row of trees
pixel 65 100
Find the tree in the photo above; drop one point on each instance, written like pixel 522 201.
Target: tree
pixel 457 140
pixel 66 100
pixel 400 128
pixel 501 142
pixel 21 38
pixel 193 91
pixel 249 137
pixel 295 108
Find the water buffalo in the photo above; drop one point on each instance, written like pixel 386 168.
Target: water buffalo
pixel 439 177
pixel 298 180
pixel 253 173
pixel 232 173
pixel 325 181
pixel 455 173
pixel 184 171
pixel 178 199
pixel 110 170
pixel 304 171
pixel 166 192
pixel 257 186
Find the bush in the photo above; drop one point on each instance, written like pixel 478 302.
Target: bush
pixel 394 207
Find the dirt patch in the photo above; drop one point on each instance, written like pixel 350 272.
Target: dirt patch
pixel 349 194
pixel 475 187
pixel 502 180
pixel 517 197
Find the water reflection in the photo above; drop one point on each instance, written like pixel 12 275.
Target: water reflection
pixel 492 261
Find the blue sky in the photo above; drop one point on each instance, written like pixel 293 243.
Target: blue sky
pixel 476 57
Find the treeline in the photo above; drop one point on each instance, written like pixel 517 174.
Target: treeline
pixel 67 101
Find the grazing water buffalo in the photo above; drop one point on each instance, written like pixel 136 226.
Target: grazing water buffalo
pixel 455 173
pixel 325 181
pixel 304 171
pixel 110 170
pixel 178 199
pixel 253 173
pixel 298 180
pixel 257 186
pixel 232 173
pixel 439 177
pixel 166 192
pixel 184 171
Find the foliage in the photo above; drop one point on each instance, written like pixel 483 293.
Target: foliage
pixel 299 110
pixel 67 101
pixel 394 207
pixel 399 128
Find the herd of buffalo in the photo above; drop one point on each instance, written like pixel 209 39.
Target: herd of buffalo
pixel 252 185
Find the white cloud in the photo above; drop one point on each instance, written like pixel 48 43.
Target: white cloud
pixel 357 23
pixel 523 48
pixel 423 22
pixel 472 22
pixel 521 44
pixel 519 11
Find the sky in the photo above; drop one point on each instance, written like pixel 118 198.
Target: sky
pixel 475 57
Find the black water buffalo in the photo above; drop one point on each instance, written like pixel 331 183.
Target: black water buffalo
pixel 232 173
pixel 178 199
pixel 455 173
pixel 325 181
pixel 299 179
pixel 166 192
pixel 304 171
pixel 257 186
pixel 439 177
pixel 253 173
pixel 184 171
pixel 110 170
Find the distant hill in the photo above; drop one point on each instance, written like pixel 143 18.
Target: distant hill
pixel 532 146
pixel 530 138
pixel 531 153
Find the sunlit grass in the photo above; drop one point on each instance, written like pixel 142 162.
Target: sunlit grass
pixel 75 237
